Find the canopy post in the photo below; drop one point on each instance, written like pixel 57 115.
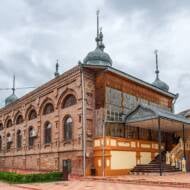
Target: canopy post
pixel 184 154
pixel 138 135
pixel 159 142
pixel 124 131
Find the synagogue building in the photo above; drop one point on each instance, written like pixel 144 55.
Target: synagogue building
pixel 95 120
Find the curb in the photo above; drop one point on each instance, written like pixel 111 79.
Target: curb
pixel 27 188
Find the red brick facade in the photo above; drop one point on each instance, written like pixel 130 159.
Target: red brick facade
pixel 90 100
pixel 41 156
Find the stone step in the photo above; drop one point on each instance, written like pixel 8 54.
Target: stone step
pixel 154 166
pixel 155 169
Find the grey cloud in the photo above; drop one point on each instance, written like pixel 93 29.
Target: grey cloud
pixel 33 34
pixel 153 8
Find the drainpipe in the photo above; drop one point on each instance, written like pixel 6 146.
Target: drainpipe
pixel 104 136
pixel 83 120
pixel 103 149
pixel 174 101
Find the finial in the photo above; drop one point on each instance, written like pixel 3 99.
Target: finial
pixel 13 88
pixel 101 45
pixel 97 35
pixel 157 71
pixel 57 69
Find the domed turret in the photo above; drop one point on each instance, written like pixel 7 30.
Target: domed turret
pixel 98 56
pixel 158 83
pixel 12 97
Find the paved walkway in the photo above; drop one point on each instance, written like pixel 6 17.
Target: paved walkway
pixel 177 180
pixel 129 182
pixel 83 185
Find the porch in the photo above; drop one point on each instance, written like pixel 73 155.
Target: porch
pixel 146 133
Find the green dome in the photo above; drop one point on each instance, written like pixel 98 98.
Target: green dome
pixel 160 84
pixel 98 57
pixel 10 99
pixel 157 82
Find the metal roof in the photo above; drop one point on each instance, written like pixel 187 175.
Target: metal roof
pixel 156 112
pixel 146 116
pixel 130 77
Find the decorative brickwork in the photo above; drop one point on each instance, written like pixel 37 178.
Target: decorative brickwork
pixel 49 120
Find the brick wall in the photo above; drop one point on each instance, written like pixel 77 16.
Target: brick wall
pixel 49 157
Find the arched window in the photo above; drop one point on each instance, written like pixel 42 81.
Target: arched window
pixel 19 139
pixel 31 136
pixel 32 114
pixel 9 123
pixel 68 123
pixel 19 120
pixel 48 109
pixel 47 133
pixel 1 126
pixel 0 143
pixel 69 100
pixel 9 141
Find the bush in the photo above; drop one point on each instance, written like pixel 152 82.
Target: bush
pixel 30 178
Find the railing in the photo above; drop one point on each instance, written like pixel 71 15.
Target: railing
pixel 177 150
pixel 176 156
pixel 117 142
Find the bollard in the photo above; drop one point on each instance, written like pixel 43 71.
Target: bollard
pixel 167 158
pixel 173 160
pixel 183 165
pixel 176 163
pixel 180 164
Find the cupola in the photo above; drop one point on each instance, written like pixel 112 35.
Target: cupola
pixel 10 99
pixel 98 56
pixel 158 83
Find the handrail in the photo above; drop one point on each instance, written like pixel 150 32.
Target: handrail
pixel 177 149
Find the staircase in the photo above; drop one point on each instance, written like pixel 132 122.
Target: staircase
pixel 154 166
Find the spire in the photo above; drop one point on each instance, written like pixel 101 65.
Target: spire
pixel 13 88
pixel 97 39
pixel 56 69
pixel 157 82
pixel 156 71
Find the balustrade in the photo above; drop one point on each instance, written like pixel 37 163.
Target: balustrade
pixel 176 156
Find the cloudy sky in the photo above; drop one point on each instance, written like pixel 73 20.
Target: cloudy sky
pixel 34 33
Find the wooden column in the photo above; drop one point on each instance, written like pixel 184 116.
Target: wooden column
pixel 159 142
pixel 184 154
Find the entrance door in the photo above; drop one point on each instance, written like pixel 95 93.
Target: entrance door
pixel 66 169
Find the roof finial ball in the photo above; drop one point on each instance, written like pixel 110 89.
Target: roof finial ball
pixel 158 83
pixel 56 69
pixel 98 56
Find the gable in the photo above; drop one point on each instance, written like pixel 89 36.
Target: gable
pixel 140 113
